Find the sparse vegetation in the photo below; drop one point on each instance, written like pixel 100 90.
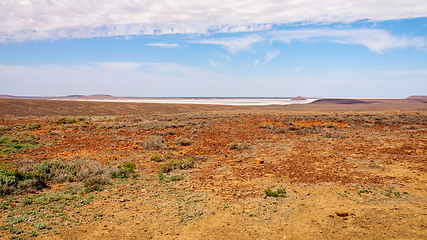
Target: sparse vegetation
pixel 280 192
pixel 156 157
pixel 327 162
pixel 154 143
pixel 183 141
pixel 70 120
pixel 180 164
pixel 238 146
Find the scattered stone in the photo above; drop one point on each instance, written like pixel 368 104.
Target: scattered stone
pixel 331 216
pixel 258 161
pixel 122 200
pixel 341 214
pixel 420 151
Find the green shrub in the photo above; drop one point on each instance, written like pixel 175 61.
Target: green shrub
pixel 16 219
pixel 124 171
pixel 31 126
pixel 27 201
pixel 129 166
pixel 181 164
pixel 14 180
pixel 69 121
pixel 58 171
pixel 39 225
pixel 120 173
pixel 5 128
pixel 156 157
pixel 52 197
pixel 7 184
pixel 44 168
pixel 281 192
pixel 94 184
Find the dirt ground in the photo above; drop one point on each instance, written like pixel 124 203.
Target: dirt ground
pixel 350 171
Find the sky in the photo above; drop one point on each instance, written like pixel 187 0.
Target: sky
pixel 193 48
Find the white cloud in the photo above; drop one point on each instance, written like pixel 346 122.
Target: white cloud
pixel 343 73
pixel 119 66
pixel 420 72
pixel 56 19
pixel 222 56
pixel 272 54
pixel 374 39
pixel 167 45
pixel 297 69
pixel 399 73
pixel 213 63
pixel 256 63
pixel 233 44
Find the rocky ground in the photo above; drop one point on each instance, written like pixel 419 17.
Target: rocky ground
pixel 214 175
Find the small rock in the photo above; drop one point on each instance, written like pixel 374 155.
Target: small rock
pixel 419 151
pixel 331 216
pixel 122 200
pixel 144 190
pixel 258 161
pixel 341 214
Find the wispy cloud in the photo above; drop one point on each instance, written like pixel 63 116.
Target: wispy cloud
pixel 374 39
pixel 46 19
pixel 297 69
pixel 166 45
pixel 421 72
pixel 256 63
pixel 272 54
pixel 119 66
pixel 233 44
pixel 415 72
pixel 222 56
pixel 213 63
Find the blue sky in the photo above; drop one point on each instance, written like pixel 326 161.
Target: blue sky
pixel 248 48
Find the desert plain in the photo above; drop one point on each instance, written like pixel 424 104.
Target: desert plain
pixel 105 170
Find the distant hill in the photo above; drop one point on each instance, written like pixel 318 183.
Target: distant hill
pixel 75 96
pixel 418 98
pixel 298 98
pixel 339 101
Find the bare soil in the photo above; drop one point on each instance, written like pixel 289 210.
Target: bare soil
pixel 350 171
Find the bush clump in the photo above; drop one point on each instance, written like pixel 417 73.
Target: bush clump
pixel 238 146
pixel 281 192
pixel 94 184
pixel 186 163
pixel 154 143
pixel 14 180
pixel 156 157
pixel 69 121
pixel 123 171
pixel 32 126
pixel 183 141
pixel 5 128
pixel 35 178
